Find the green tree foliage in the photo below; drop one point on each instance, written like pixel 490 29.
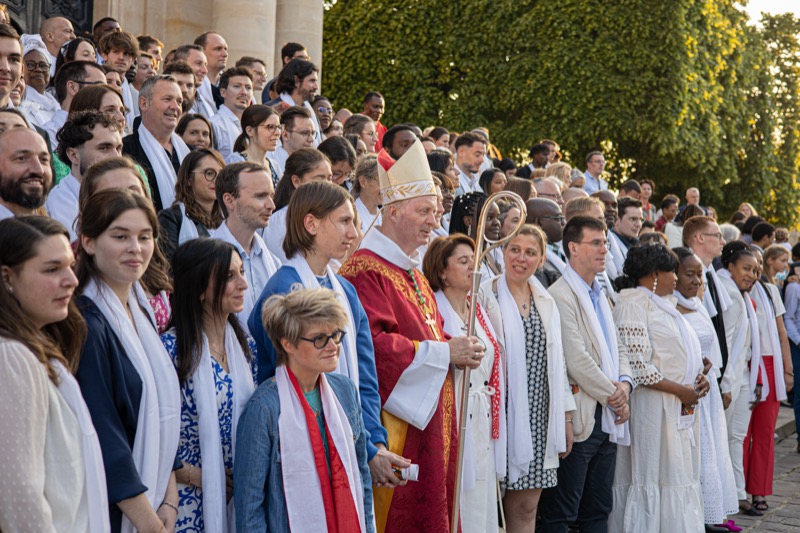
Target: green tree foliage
pixel 684 92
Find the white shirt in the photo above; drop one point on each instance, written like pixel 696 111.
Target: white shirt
pixel 227 128
pixel 39 108
pixel 130 100
pixel 55 124
pixel 5 212
pixel 367 217
pixel 204 100
pixel 52 65
pixel 278 158
pixel 62 203
pixel 467 182
pixel 318 138
pixel 259 265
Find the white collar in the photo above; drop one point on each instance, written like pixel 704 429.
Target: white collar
pixel 225 112
pixel 380 244
pixel 5 212
pixel 223 233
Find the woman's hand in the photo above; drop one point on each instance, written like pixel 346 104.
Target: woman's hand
pixel 706 365
pixel 788 377
pixel 701 384
pixel 726 400
pixel 758 397
pixel 168 517
pixel 688 395
pixel 569 432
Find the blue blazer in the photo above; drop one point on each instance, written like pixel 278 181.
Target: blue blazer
pixel 285 281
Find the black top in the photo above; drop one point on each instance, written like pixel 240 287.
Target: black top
pixel 132 146
pixel 170 220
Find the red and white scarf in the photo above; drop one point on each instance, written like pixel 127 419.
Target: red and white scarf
pixel 315 500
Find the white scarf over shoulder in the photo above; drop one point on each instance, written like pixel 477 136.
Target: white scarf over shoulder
pixel 759 293
pixel 609 353
pixel 158 425
pixel 348 364
pixel 215 515
pixel 160 161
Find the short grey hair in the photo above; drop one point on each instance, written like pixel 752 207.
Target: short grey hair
pixel 286 315
pixel 149 86
pixel 730 232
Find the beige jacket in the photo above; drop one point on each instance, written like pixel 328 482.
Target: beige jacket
pixel 581 351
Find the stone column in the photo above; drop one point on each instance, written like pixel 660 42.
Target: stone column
pixel 299 21
pixel 248 26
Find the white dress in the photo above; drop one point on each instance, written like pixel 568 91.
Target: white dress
pixel 43 485
pixel 479 494
pixel 657 480
pixel 716 475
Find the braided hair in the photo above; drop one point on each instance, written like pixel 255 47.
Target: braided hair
pixel 466 205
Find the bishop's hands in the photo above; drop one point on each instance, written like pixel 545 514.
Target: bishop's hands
pixel 466 352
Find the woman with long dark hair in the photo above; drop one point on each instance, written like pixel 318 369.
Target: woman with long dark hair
pixel 53 478
pixel 125 374
pixel 213 357
pixel 195 210
pixel 196 131
pixel 660 471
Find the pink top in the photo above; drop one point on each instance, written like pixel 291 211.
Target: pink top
pixel 160 305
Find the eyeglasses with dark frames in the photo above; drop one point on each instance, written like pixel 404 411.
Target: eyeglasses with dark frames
pixel 209 174
pixel 321 340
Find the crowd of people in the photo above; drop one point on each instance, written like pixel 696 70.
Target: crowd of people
pixel 223 315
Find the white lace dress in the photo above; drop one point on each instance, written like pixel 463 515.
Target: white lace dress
pixel 657 479
pixel 716 474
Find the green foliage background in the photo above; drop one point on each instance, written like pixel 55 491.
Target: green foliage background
pixel 684 92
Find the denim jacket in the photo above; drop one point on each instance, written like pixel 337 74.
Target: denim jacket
pixel 257 473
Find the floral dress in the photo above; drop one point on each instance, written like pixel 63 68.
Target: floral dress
pixel 190 499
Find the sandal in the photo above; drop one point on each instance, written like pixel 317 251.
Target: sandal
pixel 748 510
pixel 730 525
pixel 760 505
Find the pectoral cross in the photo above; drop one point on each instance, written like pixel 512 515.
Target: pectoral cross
pixel 432 324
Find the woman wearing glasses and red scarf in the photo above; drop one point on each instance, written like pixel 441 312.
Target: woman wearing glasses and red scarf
pixel 301 443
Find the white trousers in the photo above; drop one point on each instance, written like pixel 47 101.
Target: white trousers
pixel 737 416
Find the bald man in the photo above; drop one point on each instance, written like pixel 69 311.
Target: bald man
pixel 573 192
pixel 546 214
pixel 55 32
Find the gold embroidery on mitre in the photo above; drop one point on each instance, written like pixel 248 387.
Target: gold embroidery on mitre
pixel 409 177
pixel 410 190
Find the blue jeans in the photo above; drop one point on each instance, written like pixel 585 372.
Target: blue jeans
pixel 796 366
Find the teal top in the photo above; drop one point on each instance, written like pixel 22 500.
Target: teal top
pixel 314 399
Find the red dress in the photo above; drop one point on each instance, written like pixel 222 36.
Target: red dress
pixel 398 322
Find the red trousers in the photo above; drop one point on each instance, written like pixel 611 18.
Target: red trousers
pixel 759 444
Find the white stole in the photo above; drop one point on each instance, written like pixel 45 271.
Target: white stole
pixel 301 483
pixel 348 365
pixel 755 344
pixel 609 353
pixel 520 440
pixel 774 339
pixel 617 255
pixel 694 354
pixel 205 392
pixel 158 425
pixel 205 99
pixel 697 306
pixel 188 230
pixel 96 490
pixel 556 261
pixel 161 164
pixel 724 297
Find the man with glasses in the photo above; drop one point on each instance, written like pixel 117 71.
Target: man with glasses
pixel 297 85
pixel 599 375
pixel 39 105
pixel 595 165
pixel 155 145
pixel 546 214
pixel 549 188
pixel 86 138
pixel 236 88
pixel 624 235
pixel 54 33
pixel 70 79
pixel 298 132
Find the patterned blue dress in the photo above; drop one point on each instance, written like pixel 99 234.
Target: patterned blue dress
pixel 190 499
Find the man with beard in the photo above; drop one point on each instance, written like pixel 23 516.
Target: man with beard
pixel 194 56
pixel 236 87
pixel 216 50
pixel 184 75
pixel 154 145
pixel 470 150
pixel 25 174
pixel 297 84
pixel 398 139
pixel 374 105
pixel 289 51
pixel 547 215
pixel 86 138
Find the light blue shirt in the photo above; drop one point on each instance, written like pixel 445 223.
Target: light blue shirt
pixel 609 333
pixel 593 185
pixel 792 316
